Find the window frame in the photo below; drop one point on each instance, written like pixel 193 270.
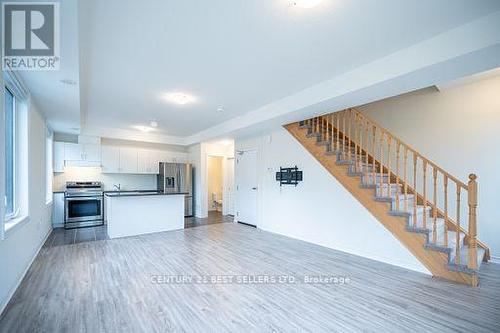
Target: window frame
pixel 49 161
pixel 15 161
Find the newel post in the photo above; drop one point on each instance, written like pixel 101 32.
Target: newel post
pixel 472 194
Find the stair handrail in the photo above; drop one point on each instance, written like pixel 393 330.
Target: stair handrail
pixel 339 128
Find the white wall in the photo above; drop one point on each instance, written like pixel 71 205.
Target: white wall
pixel 319 210
pixel 21 245
pixel 459 129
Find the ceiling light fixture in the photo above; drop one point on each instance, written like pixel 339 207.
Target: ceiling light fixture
pixel 306 3
pixel 144 129
pixel 153 123
pixel 179 98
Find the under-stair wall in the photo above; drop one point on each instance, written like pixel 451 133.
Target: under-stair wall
pixel 319 210
pixel 382 172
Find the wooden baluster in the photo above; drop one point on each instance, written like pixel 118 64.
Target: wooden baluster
pixel 367 129
pixel 344 145
pixel 325 123
pixel 389 145
pixel 321 128
pixel 374 152
pixel 424 169
pixel 355 140
pixel 361 130
pixel 445 180
pixel 397 173
pixel 472 196
pixel 349 136
pixel 457 247
pixel 405 176
pixel 434 211
pixel 332 134
pixel 381 162
pixel 338 132
pixel 415 217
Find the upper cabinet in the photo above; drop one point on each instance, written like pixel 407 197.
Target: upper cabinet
pixel 110 159
pixel 58 165
pixel 73 152
pixel 113 159
pixel 128 160
pixel 82 152
pixel 92 152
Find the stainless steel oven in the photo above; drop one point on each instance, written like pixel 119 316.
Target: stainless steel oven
pixel 83 204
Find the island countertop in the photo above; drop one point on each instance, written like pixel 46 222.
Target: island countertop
pixel 135 193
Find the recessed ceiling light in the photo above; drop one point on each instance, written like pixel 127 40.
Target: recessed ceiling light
pixel 220 109
pixel 153 123
pixel 144 129
pixel 306 3
pixel 179 98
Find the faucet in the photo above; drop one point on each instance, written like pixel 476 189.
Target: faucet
pixel 118 187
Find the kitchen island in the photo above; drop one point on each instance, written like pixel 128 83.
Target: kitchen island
pixel 136 212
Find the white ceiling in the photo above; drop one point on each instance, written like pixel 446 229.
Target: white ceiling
pixel 60 102
pixel 239 54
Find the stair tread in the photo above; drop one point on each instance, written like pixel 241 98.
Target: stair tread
pixel 388 190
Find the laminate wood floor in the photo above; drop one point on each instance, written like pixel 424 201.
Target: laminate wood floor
pixel 61 236
pixel 120 286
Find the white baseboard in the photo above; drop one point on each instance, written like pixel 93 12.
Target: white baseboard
pixel 13 290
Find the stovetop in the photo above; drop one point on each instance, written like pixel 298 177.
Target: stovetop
pixel 83 188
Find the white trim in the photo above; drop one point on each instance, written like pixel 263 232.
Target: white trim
pixel 14 289
pixel 15 224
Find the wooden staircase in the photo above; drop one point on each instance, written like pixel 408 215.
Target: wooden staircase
pixel 417 201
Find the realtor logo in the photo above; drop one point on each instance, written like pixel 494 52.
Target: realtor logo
pixel 30 36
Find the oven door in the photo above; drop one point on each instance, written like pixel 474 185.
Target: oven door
pixel 81 209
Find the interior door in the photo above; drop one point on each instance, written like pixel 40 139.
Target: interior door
pixel 246 187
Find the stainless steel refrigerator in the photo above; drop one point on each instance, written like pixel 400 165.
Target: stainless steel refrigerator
pixel 178 178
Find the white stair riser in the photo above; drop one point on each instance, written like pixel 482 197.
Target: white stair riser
pixel 387 191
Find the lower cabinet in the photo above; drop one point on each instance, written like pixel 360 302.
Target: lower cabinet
pixel 58 210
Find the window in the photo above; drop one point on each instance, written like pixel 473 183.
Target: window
pixel 11 207
pixel 48 164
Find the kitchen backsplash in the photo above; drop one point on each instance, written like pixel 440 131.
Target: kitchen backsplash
pixel 127 181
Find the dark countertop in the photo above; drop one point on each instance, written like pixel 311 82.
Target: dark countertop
pixel 114 194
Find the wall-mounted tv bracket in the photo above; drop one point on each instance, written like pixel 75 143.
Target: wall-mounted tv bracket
pixel 289 176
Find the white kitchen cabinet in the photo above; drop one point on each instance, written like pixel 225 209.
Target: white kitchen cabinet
pixel 92 152
pixel 82 152
pixel 149 160
pixel 73 152
pixel 58 165
pixel 128 160
pixel 144 161
pixel 156 158
pixel 58 210
pixel 110 159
